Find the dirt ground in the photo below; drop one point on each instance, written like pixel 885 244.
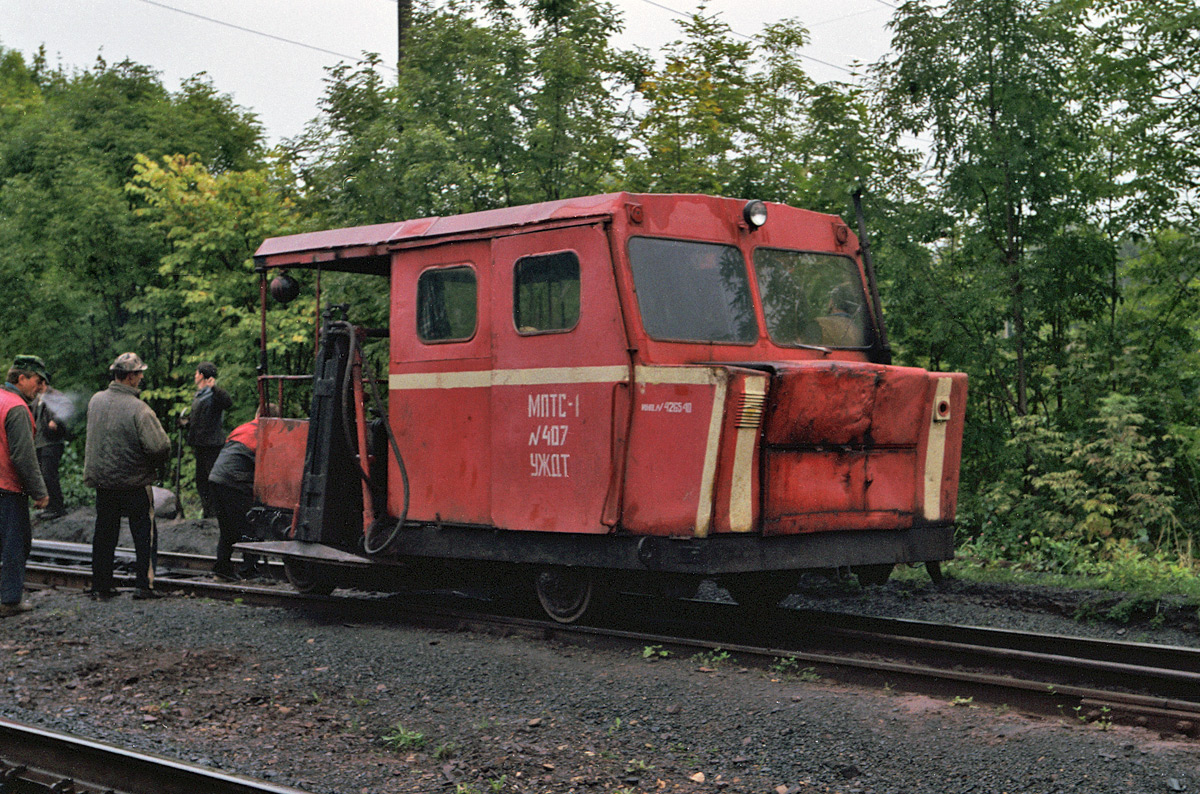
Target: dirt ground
pixel 328 705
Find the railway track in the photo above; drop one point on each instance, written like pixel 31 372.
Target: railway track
pixel 1092 680
pixel 35 760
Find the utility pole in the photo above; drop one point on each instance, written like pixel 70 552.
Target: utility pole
pixel 404 21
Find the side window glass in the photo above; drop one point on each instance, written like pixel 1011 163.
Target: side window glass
pixel 546 293
pixel 446 304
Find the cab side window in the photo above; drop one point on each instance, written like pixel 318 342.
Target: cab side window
pixel 546 293
pixel 446 304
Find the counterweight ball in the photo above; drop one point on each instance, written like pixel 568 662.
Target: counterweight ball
pixel 284 288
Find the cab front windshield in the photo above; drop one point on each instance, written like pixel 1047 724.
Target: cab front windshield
pixel 691 291
pixel 812 299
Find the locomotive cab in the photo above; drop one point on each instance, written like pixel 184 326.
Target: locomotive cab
pixel 654 387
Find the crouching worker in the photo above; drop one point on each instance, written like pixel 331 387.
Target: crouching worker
pixel 232 487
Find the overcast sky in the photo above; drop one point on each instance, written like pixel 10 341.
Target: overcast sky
pixel 271 55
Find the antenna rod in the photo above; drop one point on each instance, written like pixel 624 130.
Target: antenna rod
pixel 881 345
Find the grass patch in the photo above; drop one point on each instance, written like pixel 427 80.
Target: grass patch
pixel 1141 587
pixel 400 738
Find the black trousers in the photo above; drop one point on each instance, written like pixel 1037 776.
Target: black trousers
pixel 205 458
pixel 232 506
pixel 16 535
pixel 49 457
pixel 136 505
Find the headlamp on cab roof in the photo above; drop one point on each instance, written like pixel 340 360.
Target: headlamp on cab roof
pixel 755 213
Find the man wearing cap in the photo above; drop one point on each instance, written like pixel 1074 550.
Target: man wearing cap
pixel 206 431
pixel 20 478
pixel 125 446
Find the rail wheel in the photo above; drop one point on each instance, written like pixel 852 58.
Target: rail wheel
pixel 564 593
pixel 307 577
pixel 760 590
pixel 873 574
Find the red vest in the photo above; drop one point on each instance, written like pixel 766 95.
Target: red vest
pixel 246 434
pixel 9 481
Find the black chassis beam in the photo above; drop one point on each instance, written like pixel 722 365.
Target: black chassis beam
pixel 714 555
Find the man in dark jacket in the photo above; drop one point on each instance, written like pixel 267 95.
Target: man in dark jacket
pixel 51 441
pixel 206 431
pixel 20 478
pixel 125 446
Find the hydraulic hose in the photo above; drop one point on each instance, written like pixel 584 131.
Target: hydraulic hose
pixel 369 541
pixel 369 544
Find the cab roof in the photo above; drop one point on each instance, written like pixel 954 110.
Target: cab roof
pixel 366 248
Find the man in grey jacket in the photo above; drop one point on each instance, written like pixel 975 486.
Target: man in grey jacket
pixel 125 446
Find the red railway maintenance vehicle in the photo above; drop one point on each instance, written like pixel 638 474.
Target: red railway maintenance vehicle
pixel 608 390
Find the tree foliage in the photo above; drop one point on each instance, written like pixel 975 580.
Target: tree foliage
pixel 77 254
pixel 212 223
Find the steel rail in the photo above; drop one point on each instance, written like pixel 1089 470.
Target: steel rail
pixel 37 759
pixel 1168 675
pixel 81 554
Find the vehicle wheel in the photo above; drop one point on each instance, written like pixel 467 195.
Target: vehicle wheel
pixel 873 574
pixel 760 590
pixel 307 577
pixel 564 593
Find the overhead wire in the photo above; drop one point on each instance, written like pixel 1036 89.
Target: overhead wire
pixel 315 48
pixel 257 32
pixel 682 15
pixel 294 42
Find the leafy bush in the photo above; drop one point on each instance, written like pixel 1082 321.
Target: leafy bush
pixel 1096 504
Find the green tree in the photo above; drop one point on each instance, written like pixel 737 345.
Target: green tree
pixel 575 128
pixel 211 224
pixel 1145 75
pixel 696 112
pixel 484 114
pixel 991 84
pixel 75 251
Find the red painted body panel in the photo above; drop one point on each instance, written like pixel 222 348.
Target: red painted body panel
pixel 821 402
pixel 443 433
pixel 279 461
pixel 553 393
pixel 848 443
pixel 666 453
pixel 812 491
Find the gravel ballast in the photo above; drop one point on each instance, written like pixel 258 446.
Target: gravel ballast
pixel 331 706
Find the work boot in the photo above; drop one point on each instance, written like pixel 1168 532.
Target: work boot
pixel 145 593
pixel 248 572
pixel 225 572
pixel 103 595
pixel 8 610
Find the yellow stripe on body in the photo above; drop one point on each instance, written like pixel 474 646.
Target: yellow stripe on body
pixel 935 452
pixel 708 474
pixel 741 495
pixel 482 378
pixel 678 376
pixel 548 376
